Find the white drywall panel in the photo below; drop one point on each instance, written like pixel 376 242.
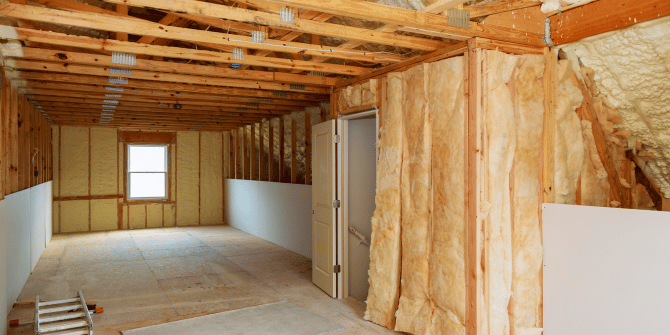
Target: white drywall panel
pixel 40 223
pixel 17 216
pixel 606 270
pixel 277 212
pixel 3 267
pixel 361 202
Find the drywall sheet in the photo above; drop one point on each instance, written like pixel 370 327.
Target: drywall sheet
pixel 211 175
pixel 74 161
pixel 154 215
pixel 384 279
pixel 447 263
pixel 17 218
pixel 500 126
pixel 414 306
pixel 187 179
pixel 606 270
pixel 40 202
pixel 137 216
pixel 104 214
pixel 569 144
pixel 526 236
pixel 277 212
pixel 361 142
pixel 103 161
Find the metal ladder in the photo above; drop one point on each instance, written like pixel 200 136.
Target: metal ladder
pixel 63 317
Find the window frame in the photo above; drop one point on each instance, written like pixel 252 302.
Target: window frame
pixel 127 173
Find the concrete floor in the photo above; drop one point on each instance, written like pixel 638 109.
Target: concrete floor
pixel 152 276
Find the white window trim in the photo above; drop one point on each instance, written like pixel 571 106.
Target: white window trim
pixel 167 167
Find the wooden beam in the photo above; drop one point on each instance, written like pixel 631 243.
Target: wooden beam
pixel 499 6
pixel 405 17
pixel 308 148
pixel 441 6
pixel 26 65
pixel 108 45
pixel 304 26
pixel 587 112
pixel 89 197
pixel 252 153
pixel 603 16
pixel 161 96
pixel 507 47
pixel 151 85
pixel 123 10
pixel 144 137
pixel 128 25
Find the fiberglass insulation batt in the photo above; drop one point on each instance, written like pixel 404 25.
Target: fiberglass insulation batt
pixel 420 167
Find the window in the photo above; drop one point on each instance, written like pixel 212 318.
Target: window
pixel 147 171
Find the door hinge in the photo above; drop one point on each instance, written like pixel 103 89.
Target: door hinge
pixel 336 269
pixel 336 204
pixel 336 138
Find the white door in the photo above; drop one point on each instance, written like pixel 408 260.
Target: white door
pixel 324 223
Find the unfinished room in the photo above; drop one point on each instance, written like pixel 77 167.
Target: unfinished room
pixel 456 167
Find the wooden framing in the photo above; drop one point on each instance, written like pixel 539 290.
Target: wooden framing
pixel 308 148
pixel 252 153
pixel 603 16
pixel 281 150
pixel 271 151
pixel 294 147
pixel 548 134
pixel 261 152
pixel 146 137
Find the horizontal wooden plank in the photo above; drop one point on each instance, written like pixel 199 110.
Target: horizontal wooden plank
pixel 305 26
pixel 512 48
pixel 107 45
pixel 604 16
pixel 152 85
pixel 144 137
pixel 410 18
pixel 498 6
pixel 70 57
pixel 89 197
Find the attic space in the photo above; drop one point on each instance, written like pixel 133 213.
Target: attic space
pixel 429 167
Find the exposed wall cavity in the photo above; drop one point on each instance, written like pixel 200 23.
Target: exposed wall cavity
pixel 631 70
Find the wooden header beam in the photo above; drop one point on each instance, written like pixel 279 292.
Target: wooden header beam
pixel 603 16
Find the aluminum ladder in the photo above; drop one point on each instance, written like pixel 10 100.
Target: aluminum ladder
pixel 63 317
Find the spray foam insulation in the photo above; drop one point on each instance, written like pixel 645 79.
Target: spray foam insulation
pixel 104 214
pixel 74 161
pixel 631 69
pixel 154 213
pixel 187 179
pixel 137 216
pixel 211 192
pixel 74 216
pixel 384 278
pixel 103 161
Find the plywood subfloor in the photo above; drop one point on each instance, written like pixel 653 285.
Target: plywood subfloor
pixel 152 276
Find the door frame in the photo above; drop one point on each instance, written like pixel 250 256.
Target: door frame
pixel 343 191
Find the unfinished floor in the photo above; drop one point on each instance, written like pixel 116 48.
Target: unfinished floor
pixel 152 276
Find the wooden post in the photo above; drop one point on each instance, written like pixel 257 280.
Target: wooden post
pixel 252 153
pixel 238 155
pixel 245 151
pixel 471 152
pixel 231 154
pixel 626 173
pixel 308 148
pixel 281 150
pixel 271 152
pixel 261 152
pixel 294 148
pixel 333 107
pixel 549 133
pixel 21 143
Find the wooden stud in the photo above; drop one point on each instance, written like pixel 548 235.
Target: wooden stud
pixel 89 178
pixel 239 173
pixel 261 152
pixel 626 174
pixel 549 133
pixel 472 248
pixel 281 151
pixel 231 154
pixel 252 153
pixel 308 148
pixel 271 151
pixel 294 148
pixel 245 150
pixel 21 143
pixel 199 177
